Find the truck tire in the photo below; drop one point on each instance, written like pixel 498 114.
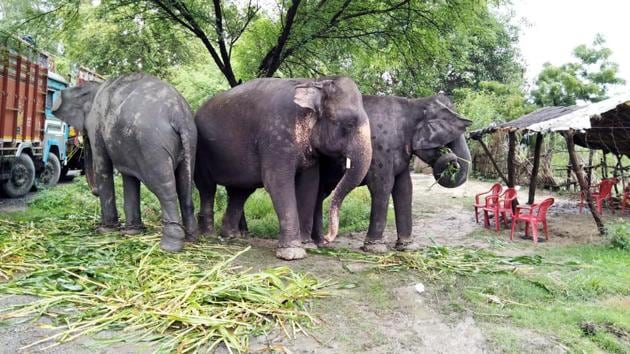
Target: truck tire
pixel 51 174
pixel 22 177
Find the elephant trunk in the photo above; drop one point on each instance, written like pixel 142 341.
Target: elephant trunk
pixel 451 170
pixel 358 159
pixel 88 165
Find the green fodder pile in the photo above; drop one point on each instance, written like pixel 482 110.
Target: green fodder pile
pixel 185 302
pixel 437 261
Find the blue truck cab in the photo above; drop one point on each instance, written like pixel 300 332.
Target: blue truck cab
pixel 56 134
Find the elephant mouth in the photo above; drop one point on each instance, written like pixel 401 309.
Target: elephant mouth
pixel 448 169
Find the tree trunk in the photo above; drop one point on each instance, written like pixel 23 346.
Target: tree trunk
pixel 582 182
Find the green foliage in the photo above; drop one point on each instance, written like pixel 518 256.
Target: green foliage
pixel 620 236
pixel 588 79
pixel 409 48
pixel 197 81
pixel 493 102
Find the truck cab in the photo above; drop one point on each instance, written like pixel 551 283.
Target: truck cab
pixel 56 134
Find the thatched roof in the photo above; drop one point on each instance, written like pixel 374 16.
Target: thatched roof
pixel 603 125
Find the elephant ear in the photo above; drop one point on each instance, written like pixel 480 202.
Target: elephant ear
pixel 309 95
pixel 441 125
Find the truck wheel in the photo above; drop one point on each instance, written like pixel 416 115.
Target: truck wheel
pixel 50 176
pixel 22 177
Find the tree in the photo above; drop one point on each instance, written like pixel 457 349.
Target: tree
pixel 587 79
pixel 392 46
pixel 492 102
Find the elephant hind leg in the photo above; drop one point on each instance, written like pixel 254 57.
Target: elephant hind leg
pixel 184 184
pixel 237 197
pixel 207 191
pixel 164 185
pixel 131 192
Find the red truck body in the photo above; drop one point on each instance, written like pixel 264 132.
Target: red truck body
pixel 23 83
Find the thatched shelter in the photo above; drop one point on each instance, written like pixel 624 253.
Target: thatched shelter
pixel 603 125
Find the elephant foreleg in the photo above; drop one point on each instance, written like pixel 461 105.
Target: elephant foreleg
pixel 307 184
pixel 317 234
pixel 280 183
pixel 402 195
pixel 104 176
pixel 133 218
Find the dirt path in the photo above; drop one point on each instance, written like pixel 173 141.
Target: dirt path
pixel 371 311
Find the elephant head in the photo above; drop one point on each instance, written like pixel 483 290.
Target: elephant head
pixel 341 130
pixel 440 129
pixel 72 107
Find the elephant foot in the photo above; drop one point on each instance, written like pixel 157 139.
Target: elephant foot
pixel 206 227
pixel 291 253
pixel 192 236
pixel 309 245
pixel 131 230
pixel 173 237
pixel 406 245
pixel 230 234
pixel 374 247
pixel 105 229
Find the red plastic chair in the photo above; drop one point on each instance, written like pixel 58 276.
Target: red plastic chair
pixel 626 198
pixel 603 193
pixel 500 205
pixel 479 204
pixel 537 215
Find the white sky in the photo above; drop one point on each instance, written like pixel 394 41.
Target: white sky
pixel 554 27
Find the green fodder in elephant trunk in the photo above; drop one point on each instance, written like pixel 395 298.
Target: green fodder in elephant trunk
pixel 184 302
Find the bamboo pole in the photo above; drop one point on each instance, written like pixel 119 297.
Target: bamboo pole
pixel 568 135
pixel 494 163
pixel 533 182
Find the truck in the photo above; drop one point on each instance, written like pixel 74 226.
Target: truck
pixel 36 148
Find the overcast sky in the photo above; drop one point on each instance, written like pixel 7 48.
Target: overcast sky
pixel 557 26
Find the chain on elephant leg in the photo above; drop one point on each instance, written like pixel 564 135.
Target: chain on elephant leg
pixel 406 243
pixel 133 229
pixel 173 236
pixel 374 245
pixel 290 250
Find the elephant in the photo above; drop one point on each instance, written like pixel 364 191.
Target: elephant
pixel 426 127
pixel 143 128
pixel 271 133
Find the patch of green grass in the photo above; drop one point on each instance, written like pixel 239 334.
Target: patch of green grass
pixel 571 287
pixel 263 222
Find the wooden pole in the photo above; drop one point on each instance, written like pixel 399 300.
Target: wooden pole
pixel 511 182
pixel 579 174
pixel 533 182
pixel 494 163
pixel 618 172
pixel 591 152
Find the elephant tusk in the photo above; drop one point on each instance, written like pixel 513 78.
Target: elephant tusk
pixel 56 104
pixel 348 163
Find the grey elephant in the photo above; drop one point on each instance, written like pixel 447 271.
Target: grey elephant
pixel 271 133
pixel 426 127
pixel 143 128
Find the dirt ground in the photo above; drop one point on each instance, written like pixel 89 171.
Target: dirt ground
pixel 371 311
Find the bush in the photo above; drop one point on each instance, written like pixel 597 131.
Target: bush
pixel 620 236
